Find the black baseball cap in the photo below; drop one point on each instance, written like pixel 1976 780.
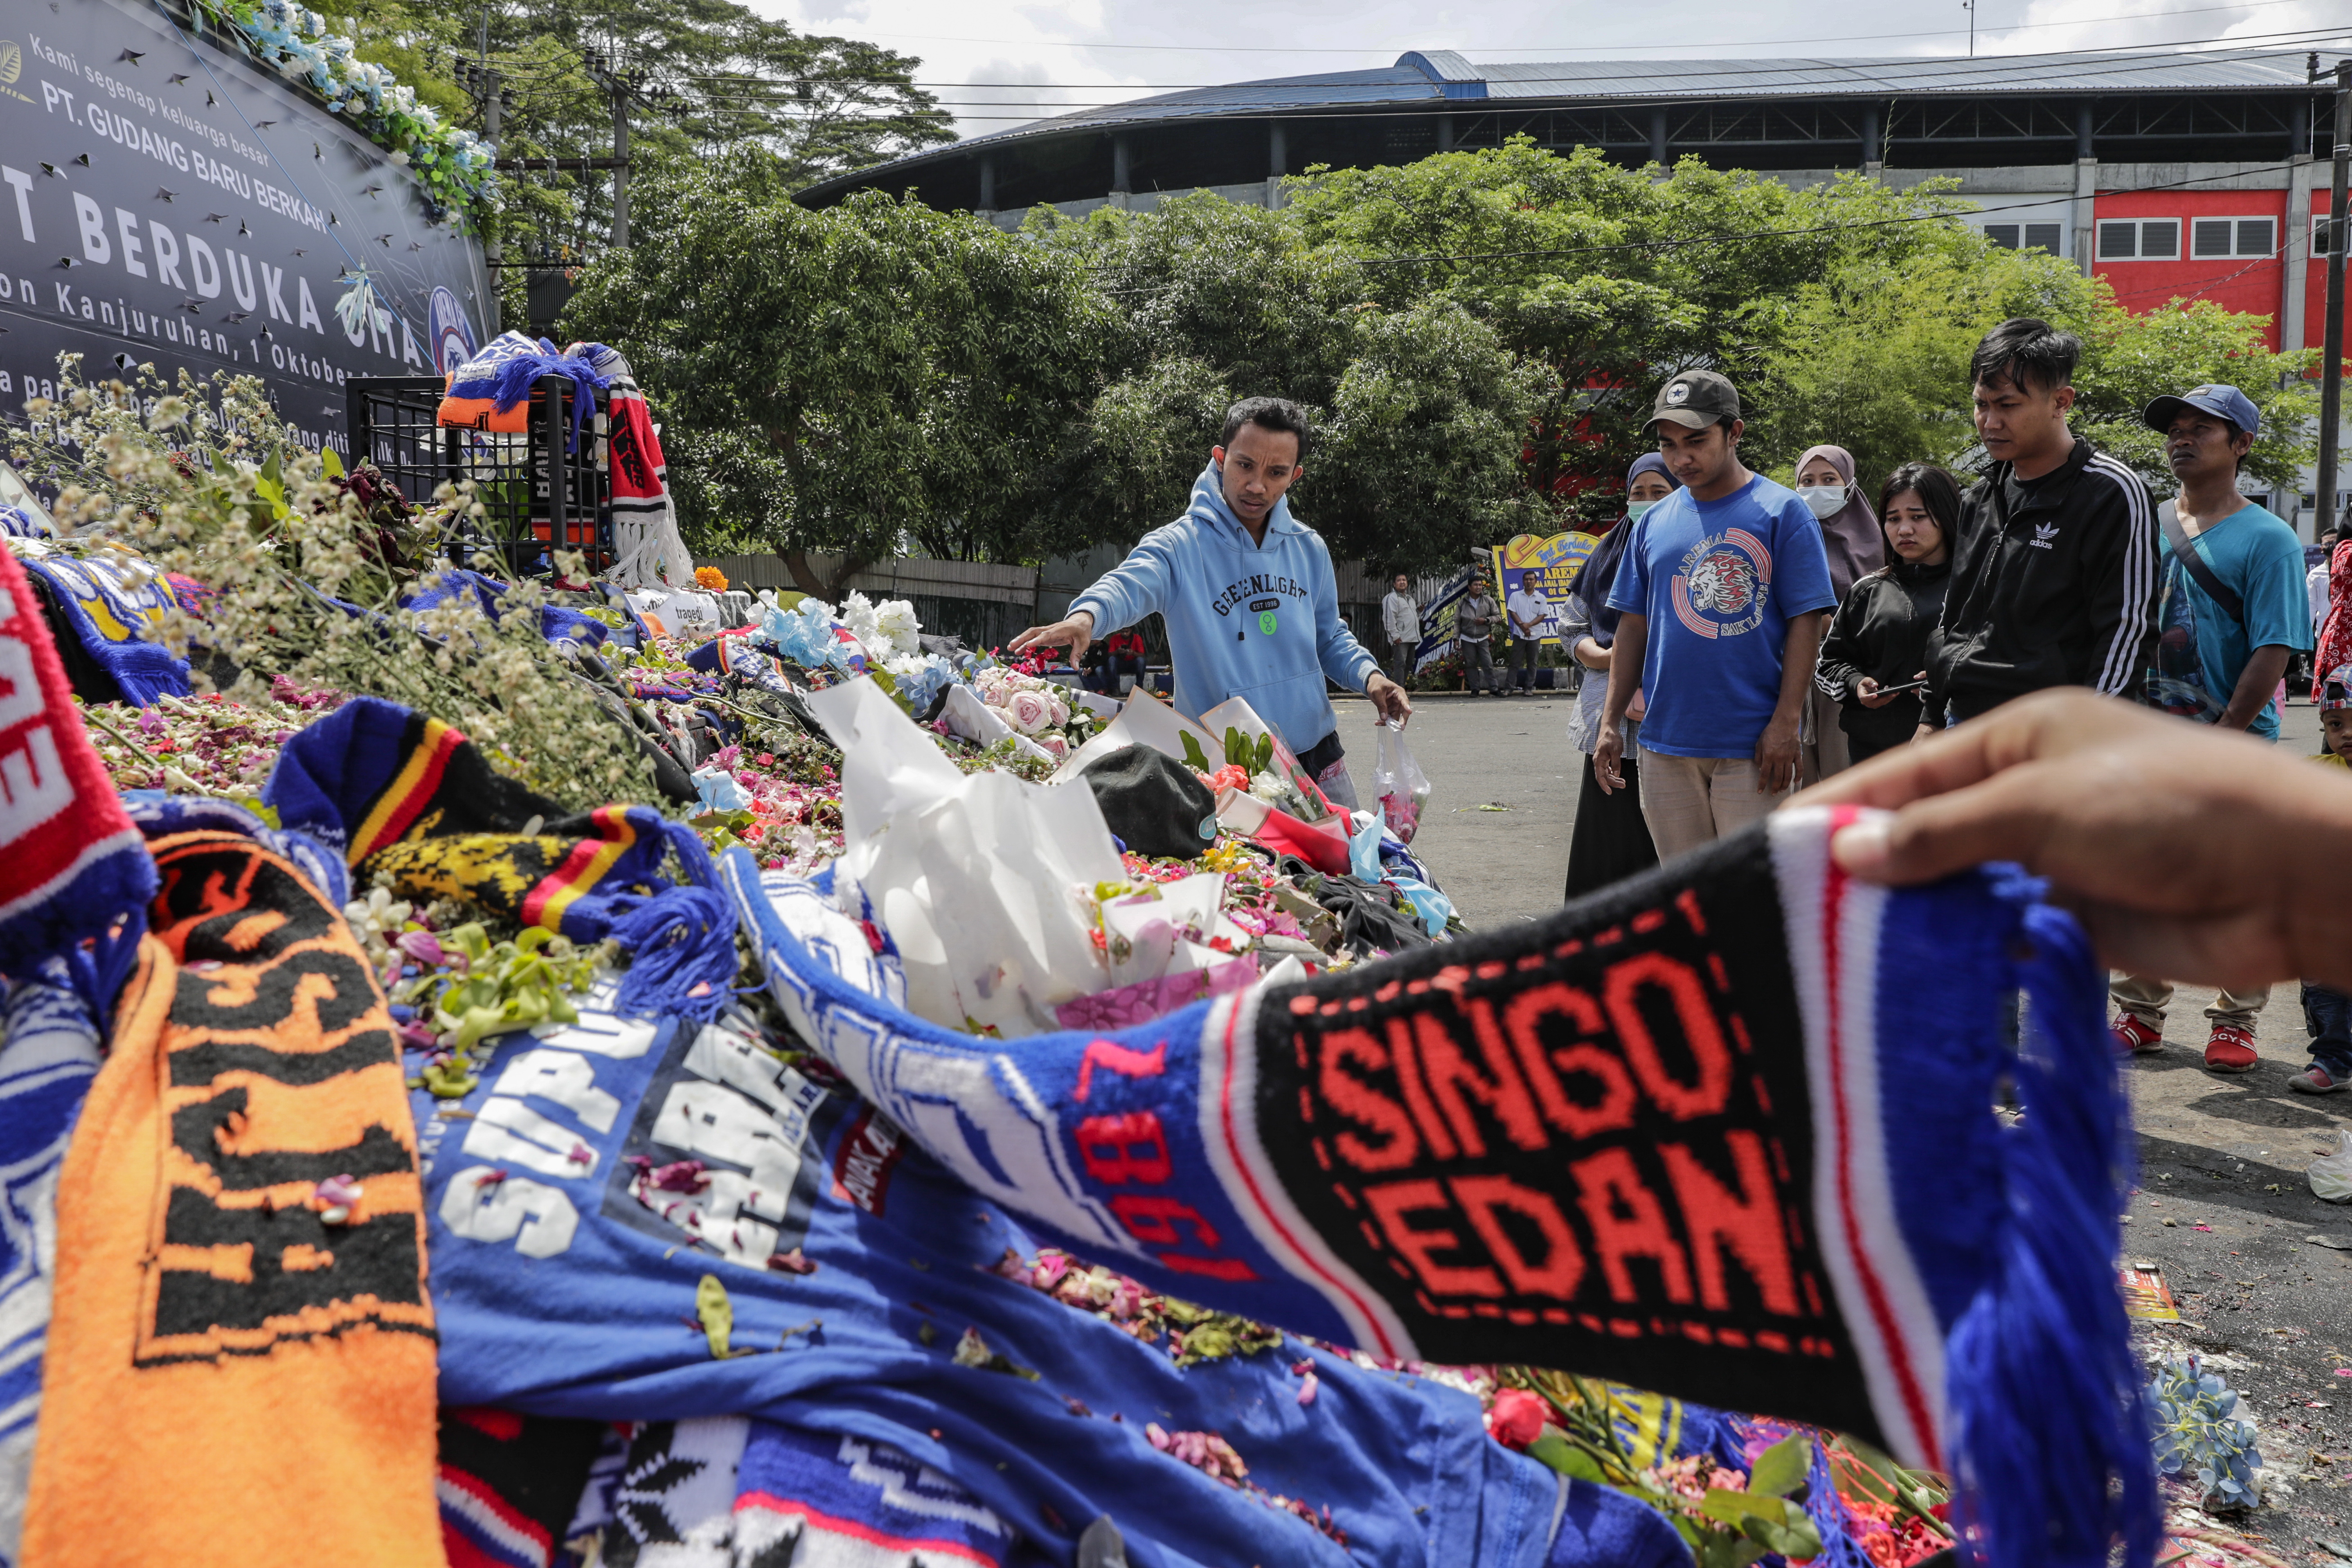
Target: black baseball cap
pixel 1694 400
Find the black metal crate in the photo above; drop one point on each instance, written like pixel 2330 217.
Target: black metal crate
pixel 537 496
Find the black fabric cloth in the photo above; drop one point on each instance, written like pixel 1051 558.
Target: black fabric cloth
pixel 1374 917
pixel 1317 758
pixel 1881 631
pixel 1593 582
pixel 2054 583
pixel 1612 841
pixel 1153 803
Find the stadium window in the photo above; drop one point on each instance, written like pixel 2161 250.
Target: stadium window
pixel 2224 238
pixel 2139 239
pixel 2029 237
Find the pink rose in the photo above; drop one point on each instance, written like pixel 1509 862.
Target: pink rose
pixel 1054 746
pixel 1061 712
pixel 1028 711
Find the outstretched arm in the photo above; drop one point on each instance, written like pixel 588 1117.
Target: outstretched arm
pixel 2187 851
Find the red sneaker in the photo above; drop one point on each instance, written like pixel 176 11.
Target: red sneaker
pixel 2315 1080
pixel 2133 1033
pixel 2231 1050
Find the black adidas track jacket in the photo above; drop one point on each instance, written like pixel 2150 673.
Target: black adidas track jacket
pixel 2063 593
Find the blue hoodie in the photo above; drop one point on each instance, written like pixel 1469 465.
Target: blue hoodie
pixel 1243 619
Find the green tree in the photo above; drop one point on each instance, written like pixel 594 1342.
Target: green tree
pixel 870 375
pixel 1876 359
pixel 1422 409
pixel 716 78
pixel 1612 279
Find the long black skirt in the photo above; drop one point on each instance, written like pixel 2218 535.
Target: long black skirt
pixel 1612 840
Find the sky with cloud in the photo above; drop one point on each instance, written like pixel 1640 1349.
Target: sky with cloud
pixel 999 63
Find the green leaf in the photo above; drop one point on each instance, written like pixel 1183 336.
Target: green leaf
pixel 330 463
pixel 1781 1468
pixel 1194 758
pixel 1553 1449
pixel 1793 1535
pixel 1735 1508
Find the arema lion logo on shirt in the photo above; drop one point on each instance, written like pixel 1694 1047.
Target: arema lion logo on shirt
pixel 1723 584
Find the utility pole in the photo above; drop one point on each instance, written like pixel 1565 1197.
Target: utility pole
pixel 1970 7
pixel 488 89
pixel 618 85
pixel 2331 367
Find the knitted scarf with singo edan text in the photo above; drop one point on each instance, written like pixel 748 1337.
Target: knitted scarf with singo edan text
pixel 1724 1131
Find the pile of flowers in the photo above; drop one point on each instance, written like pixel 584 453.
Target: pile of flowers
pixel 1193 1334
pixel 456 166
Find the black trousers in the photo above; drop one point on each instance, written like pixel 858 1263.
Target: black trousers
pixel 1612 841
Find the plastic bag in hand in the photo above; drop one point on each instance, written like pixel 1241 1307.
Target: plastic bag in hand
pixel 2331 1175
pixel 1397 779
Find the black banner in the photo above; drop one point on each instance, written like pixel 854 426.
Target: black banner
pixel 165 201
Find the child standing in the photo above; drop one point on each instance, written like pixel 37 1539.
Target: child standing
pixel 2328 1012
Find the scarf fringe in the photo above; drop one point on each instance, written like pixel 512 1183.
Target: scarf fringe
pixel 2044 1347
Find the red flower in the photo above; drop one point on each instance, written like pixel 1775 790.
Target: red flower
pixel 1518 1418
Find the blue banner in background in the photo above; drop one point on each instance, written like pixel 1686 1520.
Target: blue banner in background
pixel 165 200
pixel 1438 619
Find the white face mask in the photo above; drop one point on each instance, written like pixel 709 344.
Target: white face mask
pixel 1634 509
pixel 1826 500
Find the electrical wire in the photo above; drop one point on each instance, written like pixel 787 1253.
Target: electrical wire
pixel 1225 48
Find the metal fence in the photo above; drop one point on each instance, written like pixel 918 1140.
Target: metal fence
pixel 539 492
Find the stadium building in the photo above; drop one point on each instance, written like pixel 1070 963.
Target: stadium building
pixel 2172 175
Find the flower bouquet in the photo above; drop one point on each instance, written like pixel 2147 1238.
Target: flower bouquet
pixel 1037 710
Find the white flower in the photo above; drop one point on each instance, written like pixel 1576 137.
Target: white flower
pixel 1061 712
pixel 894 620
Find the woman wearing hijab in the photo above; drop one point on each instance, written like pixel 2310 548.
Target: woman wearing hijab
pixel 1856 548
pixel 1612 841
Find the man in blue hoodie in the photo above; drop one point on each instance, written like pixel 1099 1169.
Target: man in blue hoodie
pixel 1250 602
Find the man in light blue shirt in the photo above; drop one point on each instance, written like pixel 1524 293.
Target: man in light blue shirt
pixel 2233 609
pixel 1248 594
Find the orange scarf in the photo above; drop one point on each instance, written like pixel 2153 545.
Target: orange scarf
pixel 235 1373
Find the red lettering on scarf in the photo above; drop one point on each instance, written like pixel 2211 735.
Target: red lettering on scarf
pixel 1626 1222
pixel 1486 1199
pixel 1393 1204
pixel 1117 1059
pixel 1745 1223
pixel 1110 1144
pixel 1622 988
pixel 1522 1021
pixel 1500 1088
pixel 1357 1101
pixel 1416 1093
pixel 1153 1220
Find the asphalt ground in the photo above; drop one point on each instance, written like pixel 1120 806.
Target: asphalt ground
pixel 2223 1210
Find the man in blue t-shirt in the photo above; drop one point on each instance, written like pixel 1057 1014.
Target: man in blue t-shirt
pixel 1723 594
pixel 2232 610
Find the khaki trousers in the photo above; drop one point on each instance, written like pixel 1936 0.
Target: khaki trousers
pixel 1691 801
pixel 1821 750
pixel 2145 998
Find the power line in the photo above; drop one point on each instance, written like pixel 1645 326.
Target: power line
pixel 1989 70
pixel 1223 48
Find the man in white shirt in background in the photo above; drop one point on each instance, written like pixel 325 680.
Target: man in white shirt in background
pixel 1400 623
pixel 1530 617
